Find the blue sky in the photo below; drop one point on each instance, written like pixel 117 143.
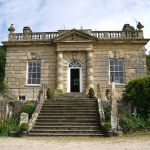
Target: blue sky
pixel 52 15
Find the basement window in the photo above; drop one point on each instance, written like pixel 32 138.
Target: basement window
pixel 22 98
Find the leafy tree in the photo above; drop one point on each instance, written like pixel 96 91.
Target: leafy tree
pixel 138 91
pixel 2 67
pixel 148 63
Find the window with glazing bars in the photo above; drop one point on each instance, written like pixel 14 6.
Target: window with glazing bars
pixel 34 72
pixel 116 70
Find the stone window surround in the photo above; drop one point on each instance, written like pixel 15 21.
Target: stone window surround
pixel 32 60
pixel 74 64
pixel 117 83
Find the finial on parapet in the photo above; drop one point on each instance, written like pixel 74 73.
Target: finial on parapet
pixel 139 26
pixel 11 29
pixel 27 30
pixel 128 28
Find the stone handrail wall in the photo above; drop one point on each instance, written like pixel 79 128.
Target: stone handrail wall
pixel 114 34
pixel 101 111
pixel 38 108
pixel 35 114
pixel 34 36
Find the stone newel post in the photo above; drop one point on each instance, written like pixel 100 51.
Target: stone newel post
pixel 60 70
pixel 90 79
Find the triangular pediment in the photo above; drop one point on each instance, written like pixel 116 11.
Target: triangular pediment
pixel 74 36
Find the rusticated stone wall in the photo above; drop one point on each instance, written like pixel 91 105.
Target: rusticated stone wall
pixel 134 65
pixel 16 69
pixel 18 56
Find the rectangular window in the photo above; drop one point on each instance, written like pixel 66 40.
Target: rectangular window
pixel 34 72
pixel 22 98
pixel 116 70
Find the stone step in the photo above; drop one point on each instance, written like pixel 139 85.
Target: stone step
pixel 69 103
pixel 71 99
pixel 65 124
pixel 67 117
pixel 67 127
pixel 68 114
pixel 69 107
pixel 68 111
pixel 63 130
pixel 83 120
pixel 75 95
pixel 67 134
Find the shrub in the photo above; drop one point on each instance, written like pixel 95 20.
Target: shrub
pixel 8 125
pixel 24 127
pixel 138 91
pixel 107 111
pixel 29 108
pixel 148 122
pixel 131 123
pixel 107 126
pixel 91 93
pixel 49 93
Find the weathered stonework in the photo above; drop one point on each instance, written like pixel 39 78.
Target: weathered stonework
pixel 55 50
pixel 90 79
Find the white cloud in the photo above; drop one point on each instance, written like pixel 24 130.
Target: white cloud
pixel 51 15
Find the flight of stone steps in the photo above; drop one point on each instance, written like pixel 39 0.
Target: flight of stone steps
pixel 68 114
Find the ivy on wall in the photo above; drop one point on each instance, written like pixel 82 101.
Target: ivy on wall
pixel 2 68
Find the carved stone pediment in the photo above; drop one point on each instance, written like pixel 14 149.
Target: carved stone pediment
pixel 75 36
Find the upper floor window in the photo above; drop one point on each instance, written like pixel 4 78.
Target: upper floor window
pixel 34 72
pixel 116 70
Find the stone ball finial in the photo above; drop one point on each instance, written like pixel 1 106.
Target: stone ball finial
pixel 27 29
pixel 11 29
pixel 139 25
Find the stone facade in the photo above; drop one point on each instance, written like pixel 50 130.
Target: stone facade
pixel 55 50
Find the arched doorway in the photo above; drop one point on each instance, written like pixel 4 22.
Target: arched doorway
pixel 74 76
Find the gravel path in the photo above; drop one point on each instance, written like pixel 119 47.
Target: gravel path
pixel 141 142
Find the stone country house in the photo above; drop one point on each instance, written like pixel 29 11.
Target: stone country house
pixel 68 61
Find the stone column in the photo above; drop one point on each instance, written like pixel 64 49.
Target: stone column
pixel 60 70
pixel 90 79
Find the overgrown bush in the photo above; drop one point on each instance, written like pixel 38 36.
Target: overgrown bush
pixel 107 126
pixel 91 93
pixel 24 127
pixel 131 123
pixel 107 111
pixel 8 125
pixel 29 108
pixel 138 91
